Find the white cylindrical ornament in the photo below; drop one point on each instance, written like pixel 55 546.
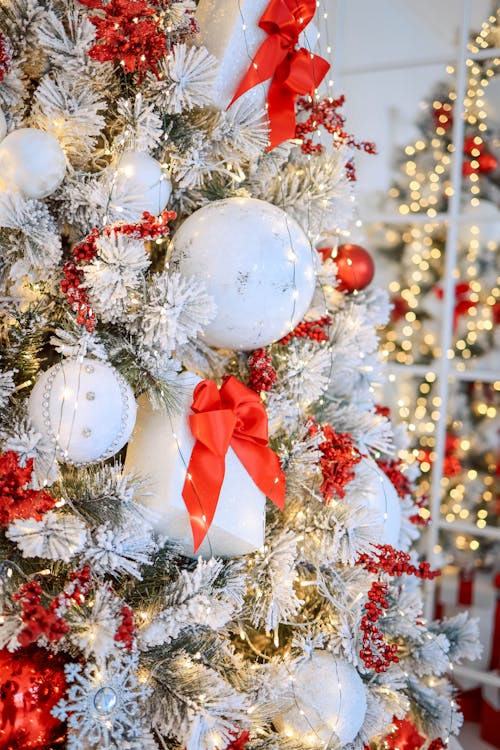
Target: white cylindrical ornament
pixel 85 408
pixel 140 185
pixel 329 698
pixel 257 264
pixel 160 448
pixel 31 162
pixel 381 496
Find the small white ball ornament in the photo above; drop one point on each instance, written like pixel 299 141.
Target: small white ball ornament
pixel 328 697
pixel 256 263
pixel 85 408
pixel 382 497
pixel 32 162
pixel 3 126
pixel 140 185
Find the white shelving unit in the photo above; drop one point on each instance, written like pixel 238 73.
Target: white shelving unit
pixel 445 369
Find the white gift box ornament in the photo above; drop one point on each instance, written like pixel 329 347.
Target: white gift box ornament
pixel 198 463
pixel 264 54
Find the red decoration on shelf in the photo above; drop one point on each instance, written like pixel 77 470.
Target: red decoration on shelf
pixel 127 32
pixel 32 681
pixel 451 464
pixel 405 737
pixel 148 228
pixel 232 415
pixel 293 71
pixel 473 145
pixel 399 308
pixel 355 267
pixel 262 373
pixel 325 113
pixel 309 329
pixel 5 56
pixel 15 501
pixel 443 116
pixel 463 303
pixel 339 455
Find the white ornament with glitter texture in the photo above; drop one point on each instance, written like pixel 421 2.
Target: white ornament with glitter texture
pixel 85 408
pixel 257 265
pixel 31 162
pixel 160 449
pixel 329 698
pixel 140 184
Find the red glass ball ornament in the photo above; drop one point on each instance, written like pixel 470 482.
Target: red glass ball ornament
pixel 355 267
pixel 32 681
pixel 487 163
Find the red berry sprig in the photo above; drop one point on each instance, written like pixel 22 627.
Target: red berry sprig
pixel 395 562
pixel 401 483
pixel 262 373
pixel 148 228
pixel 376 653
pixel 5 56
pixel 38 620
pixel 309 329
pixel 126 630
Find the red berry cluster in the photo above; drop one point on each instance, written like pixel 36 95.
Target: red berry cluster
pixel 262 373
pixel 392 470
pixel 127 32
pixel 395 562
pixel 325 113
pixel 126 629
pixel 338 457
pixel 376 653
pixel 148 228
pixel 16 502
pixel 5 56
pixel 309 329
pixel 38 620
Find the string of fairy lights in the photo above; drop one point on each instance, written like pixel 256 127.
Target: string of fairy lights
pixel 412 340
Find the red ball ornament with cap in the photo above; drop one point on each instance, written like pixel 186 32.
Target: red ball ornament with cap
pixel 355 267
pixel 32 681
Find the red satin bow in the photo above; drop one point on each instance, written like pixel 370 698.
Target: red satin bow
pixel 293 71
pixel 230 416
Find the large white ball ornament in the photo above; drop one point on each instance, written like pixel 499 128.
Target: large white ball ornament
pixel 257 264
pixel 32 162
pixel 140 185
pixel 3 126
pixel 85 408
pixel 328 697
pixel 381 496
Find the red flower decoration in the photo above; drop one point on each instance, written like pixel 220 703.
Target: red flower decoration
pixel 16 502
pixel 339 455
pixel 127 32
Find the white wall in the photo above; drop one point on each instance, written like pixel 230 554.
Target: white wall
pixel 370 39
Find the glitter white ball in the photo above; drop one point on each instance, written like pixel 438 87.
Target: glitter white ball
pixel 382 497
pixel 140 185
pixel 32 162
pixel 256 263
pixel 328 697
pixel 85 408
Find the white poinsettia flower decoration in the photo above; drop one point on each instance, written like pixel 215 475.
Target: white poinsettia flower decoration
pixel 57 536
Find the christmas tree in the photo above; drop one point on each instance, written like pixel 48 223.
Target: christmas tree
pixel 175 351
pixel 416 255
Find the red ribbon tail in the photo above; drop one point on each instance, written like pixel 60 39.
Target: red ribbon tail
pixel 264 467
pixel 267 58
pixel 201 501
